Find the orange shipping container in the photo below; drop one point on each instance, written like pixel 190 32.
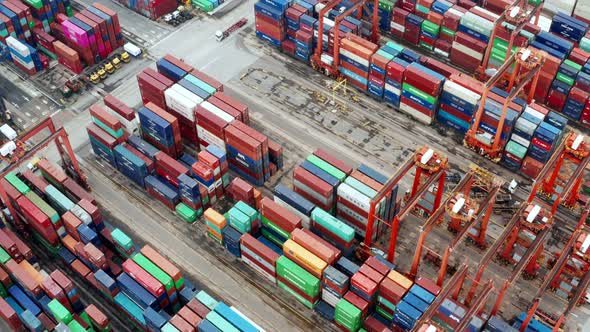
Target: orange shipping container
pixel 311 242
pixel 215 218
pixel 304 258
pixel 162 263
pixel 37 277
pixel 400 279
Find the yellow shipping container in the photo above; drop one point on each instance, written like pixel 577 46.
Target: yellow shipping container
pixel 399 279
pixel 215 218
pixel 304 258
pixel 32 272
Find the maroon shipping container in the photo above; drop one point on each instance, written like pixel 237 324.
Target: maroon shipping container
pixel 377 265
pixel 189 316
pixel 243 143
pixel 313 182
pixel 92 210
pixel 371 273
pixel 151 90
pixel 37 219
pixel 80 268
pixel 47 323
pixel 316 245
pixel 9 316
pixel 225 107
pixel 35 181
pixel 11 191
pixel 259 249
pixel 8 244
pixel 116 105
pixel 5 278
pixel 207 79
pixel 74 189
pixel 181 324
pixel 372 324
pixel 102 136
pixel 358 302
pixel 159 77
pixel 198 308
pixel 243 109
pixel 179 63
pixel 52 289
pixel 23 277
pixel 279 215
pixel 22 247
pixel 169 168
pixel 64 282
pixel 391 291
pixel 56 174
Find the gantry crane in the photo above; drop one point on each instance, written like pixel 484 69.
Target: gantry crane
pixel 532 61
pixel 430 166
pixel 574 260
pixel 574 148
pixel 517 15
pixel 66 153
pixel 316 59
pixel 464 213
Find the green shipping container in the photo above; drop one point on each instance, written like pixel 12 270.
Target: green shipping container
pixel 238 220
pixel 585 44
pixel 572 64
pixel 122 239
pixel 360 187
pixel 347 315
pixel 395 46
pixel 272 238
pixel 76 327
pixel 426 46
pixel 430 27
pixel 298 276
pixel 332 224
pixel 383 313
pixel 203 4
pixel 386 303
pixel 130 307
pixel 220 322
pixel 4 256
pixel 115 134
pixel 448 31
pixel 266 222
pixel 335 172
pixel 154 270
pixel 37 4
pixel 247 210
pixel 59 312
pixel 214 238
pixel 386 5
pixel 185 212
pixel 59 200
pixel 516 149
pixel 206 300
pixel 565 79
pixel 386 55
pixel 419 93
pixel 298 296
pixel 43 206
pixel 423 9
pixel 17 183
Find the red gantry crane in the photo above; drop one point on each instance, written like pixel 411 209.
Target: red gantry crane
pixel 463 213
pixel 561 177
pixel 317 61
pixel 64 148
pixel 530 61
pixel 430 167
pixel 516 17
pixel 569 275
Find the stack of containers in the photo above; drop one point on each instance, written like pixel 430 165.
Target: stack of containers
pixel 335 285
pixel 152 86
pixel 333 230
pixel 450 314
pixel 270 20
pixel 190 193
pixel 277 222
pixel 547 74
pixel 102 143
pixel 478 23
pixel 420 91
pixel 106 122
pixel 160 129
pixel 415 303
pixel 216 222
pixel 553 44
pixel 393 81
pixel 315 185
pixel 45 11
pixel 24 56
pixel 304 258
pixel 243 218
pixel 182 99
pixel 122 112
pixel 131 165
pixel 412 28
pixel 430 27
pixel 391 290
pixel 347 316
pixel 211 162
pixel 398 22
pixel 247 152
pixel 520 139
pixel 294 203
pixel 355 55
pixel 240 190
pixel 67 57
pixel 19 18
pixel 44 42
pixel 448 30
pixel 206 5
pixel 467 51
pixel 292 278
pixel 577 97
pixel 459 101
pixel 490 120
pixel 546 137
pixel 258 256
pixel 378 68
pixel 502 39
pixel 303 48
pixel 162 190
pixel 152 9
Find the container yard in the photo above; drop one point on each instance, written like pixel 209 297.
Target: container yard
pixel 294 166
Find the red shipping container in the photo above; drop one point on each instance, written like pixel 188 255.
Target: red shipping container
pixel 23 277
pixel 364 284
pixel 169 168
pixel 148 282
pixel 372 324
pixel 178 63
pixel 38 220
pixel 97 316
pixel 148 162
pixel 181 324
pixel 102 136
pixel 92 210
pixel 391 291
pixel 314 244
pixel 198 308
pixel 56 174
pixel 189 316
pixel 24 249
pixel 377 265
pixel 313 182
pixel 77 191
pixel 207 79
pixel 9 316
pixel 259 249
pixel 119 107
pixel 243 109
pixel 358 302
pixel 279 215
pixel 556 99
pixel 162 263
pixel 225 107
pixel 35 181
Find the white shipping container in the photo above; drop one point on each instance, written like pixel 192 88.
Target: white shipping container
pixel 535 113
pixel 8 132
pixel 520 140
pixel 426 119
pixel 461 92
pixel 217 111
pixel 28 65
pixel 351 213
pixel 441 52
pixel 393 89
pixel 330 297
pixel 327 59
pixel 354 57
pixel 353 196
pixel 187 93
pixel 247 319
pixel 18 46
pixel 258 269
pixel 181 104
pixel 472 53
pixel 208 137
pixel 398 27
